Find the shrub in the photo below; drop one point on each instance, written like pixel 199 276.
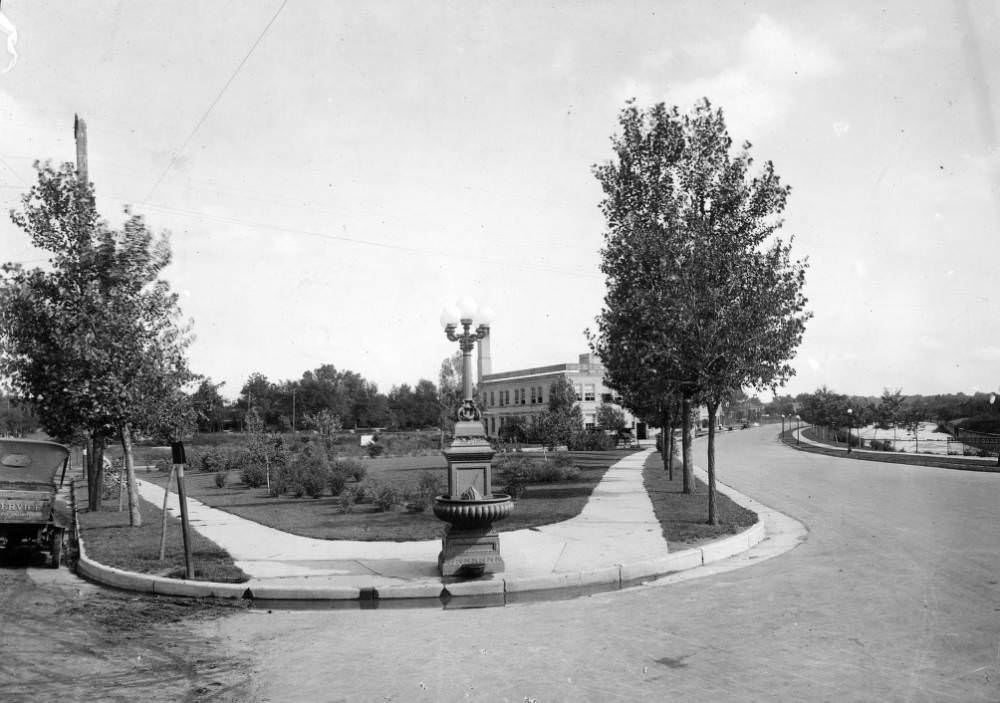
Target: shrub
pixel 365 491
pixel 211 459
pixel 350 467
pixel 375 450
pixel 429 485
pixel 550 472
pixel 386 497
pixel 591 440
pixel 561 459
pixel 512 473
pixel 314 479
pixel 281 480
pixel 235 461
pixel 253 475
pixel 163 465
pixel 337 480
pixel 347 499
pixel 220 479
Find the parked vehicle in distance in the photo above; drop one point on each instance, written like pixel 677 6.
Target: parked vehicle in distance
pixel 28 471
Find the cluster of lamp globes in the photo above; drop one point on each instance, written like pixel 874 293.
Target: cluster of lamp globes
pixel 467 314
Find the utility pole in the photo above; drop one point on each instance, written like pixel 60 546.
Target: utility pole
pixel 80 134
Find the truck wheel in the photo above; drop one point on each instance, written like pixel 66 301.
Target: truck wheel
pixel 58 537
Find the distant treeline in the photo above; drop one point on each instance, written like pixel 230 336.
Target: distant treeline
pixel 979 411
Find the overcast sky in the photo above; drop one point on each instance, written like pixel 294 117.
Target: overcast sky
pixel 332 174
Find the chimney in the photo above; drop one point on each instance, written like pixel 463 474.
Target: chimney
pixel 484 362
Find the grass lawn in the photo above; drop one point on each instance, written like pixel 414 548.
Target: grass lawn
pixel 110 541
pixel 684 516
pixel 324 518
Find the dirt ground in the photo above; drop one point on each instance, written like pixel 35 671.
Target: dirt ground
pixel 62 638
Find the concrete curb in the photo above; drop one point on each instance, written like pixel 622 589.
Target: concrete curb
pixel 608 578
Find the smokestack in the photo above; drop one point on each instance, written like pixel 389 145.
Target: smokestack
pixel 80 133
pixel 484 363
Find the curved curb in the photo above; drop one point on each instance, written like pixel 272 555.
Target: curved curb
pixel 609 578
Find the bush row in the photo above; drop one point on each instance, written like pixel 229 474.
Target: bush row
pixel 513 472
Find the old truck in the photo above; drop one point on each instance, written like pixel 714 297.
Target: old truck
pixel 28 470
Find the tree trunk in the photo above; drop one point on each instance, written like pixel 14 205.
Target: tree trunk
pixel 95 472
pixel 713 407
pixel 667 442
pixel 687 438
pixel 134 516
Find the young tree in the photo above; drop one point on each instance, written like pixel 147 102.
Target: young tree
pixel 699 285
pixel 562 420
pixel 94 340
pixel 889 408
pixel 610 418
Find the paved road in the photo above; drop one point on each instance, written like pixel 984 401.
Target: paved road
pixel 893 597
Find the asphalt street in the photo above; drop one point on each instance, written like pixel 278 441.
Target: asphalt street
pixel 893 596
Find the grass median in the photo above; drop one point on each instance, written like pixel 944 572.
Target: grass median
pixel 684 516
pixel 110 540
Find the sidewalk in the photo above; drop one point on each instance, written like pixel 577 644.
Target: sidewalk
pixel 615 540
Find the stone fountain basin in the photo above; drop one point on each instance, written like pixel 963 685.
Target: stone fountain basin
pixel 473 513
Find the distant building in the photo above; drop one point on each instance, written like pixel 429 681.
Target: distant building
pixel 525 393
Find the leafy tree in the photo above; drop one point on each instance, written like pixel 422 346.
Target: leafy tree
pixel 889 407
pixel 94 340
pixel 514 428
pixel 611 418
pixel 701 293
pixel 209 405
pixel 562 419
pixel 17 417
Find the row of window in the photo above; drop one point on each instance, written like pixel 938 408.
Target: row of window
pixel 521 396
pixel 533 396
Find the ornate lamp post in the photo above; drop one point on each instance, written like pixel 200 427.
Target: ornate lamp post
pixel 798 429
pixel 470 546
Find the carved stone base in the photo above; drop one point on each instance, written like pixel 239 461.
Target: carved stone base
pixel 470 552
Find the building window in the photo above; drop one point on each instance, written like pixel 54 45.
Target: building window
pixel 579 392
pixel 524 397
pixel 492 399
pixel 588 392
pixel 540 399
pixel 605 397
pixel 533 399
pixel 493 425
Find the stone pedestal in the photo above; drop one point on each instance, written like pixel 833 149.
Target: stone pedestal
pixel 470 552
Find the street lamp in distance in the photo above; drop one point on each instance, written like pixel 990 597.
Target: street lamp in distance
pixel 798 429
pixel 850 425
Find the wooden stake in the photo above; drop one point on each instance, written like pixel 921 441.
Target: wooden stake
pixel 163 524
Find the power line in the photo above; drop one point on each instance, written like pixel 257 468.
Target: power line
pixel 177 154
pixel 366 242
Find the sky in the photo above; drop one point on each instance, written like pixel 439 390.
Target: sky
pixel 332 174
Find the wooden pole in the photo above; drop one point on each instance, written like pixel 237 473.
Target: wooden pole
pixel 188 565
pixel 163 522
